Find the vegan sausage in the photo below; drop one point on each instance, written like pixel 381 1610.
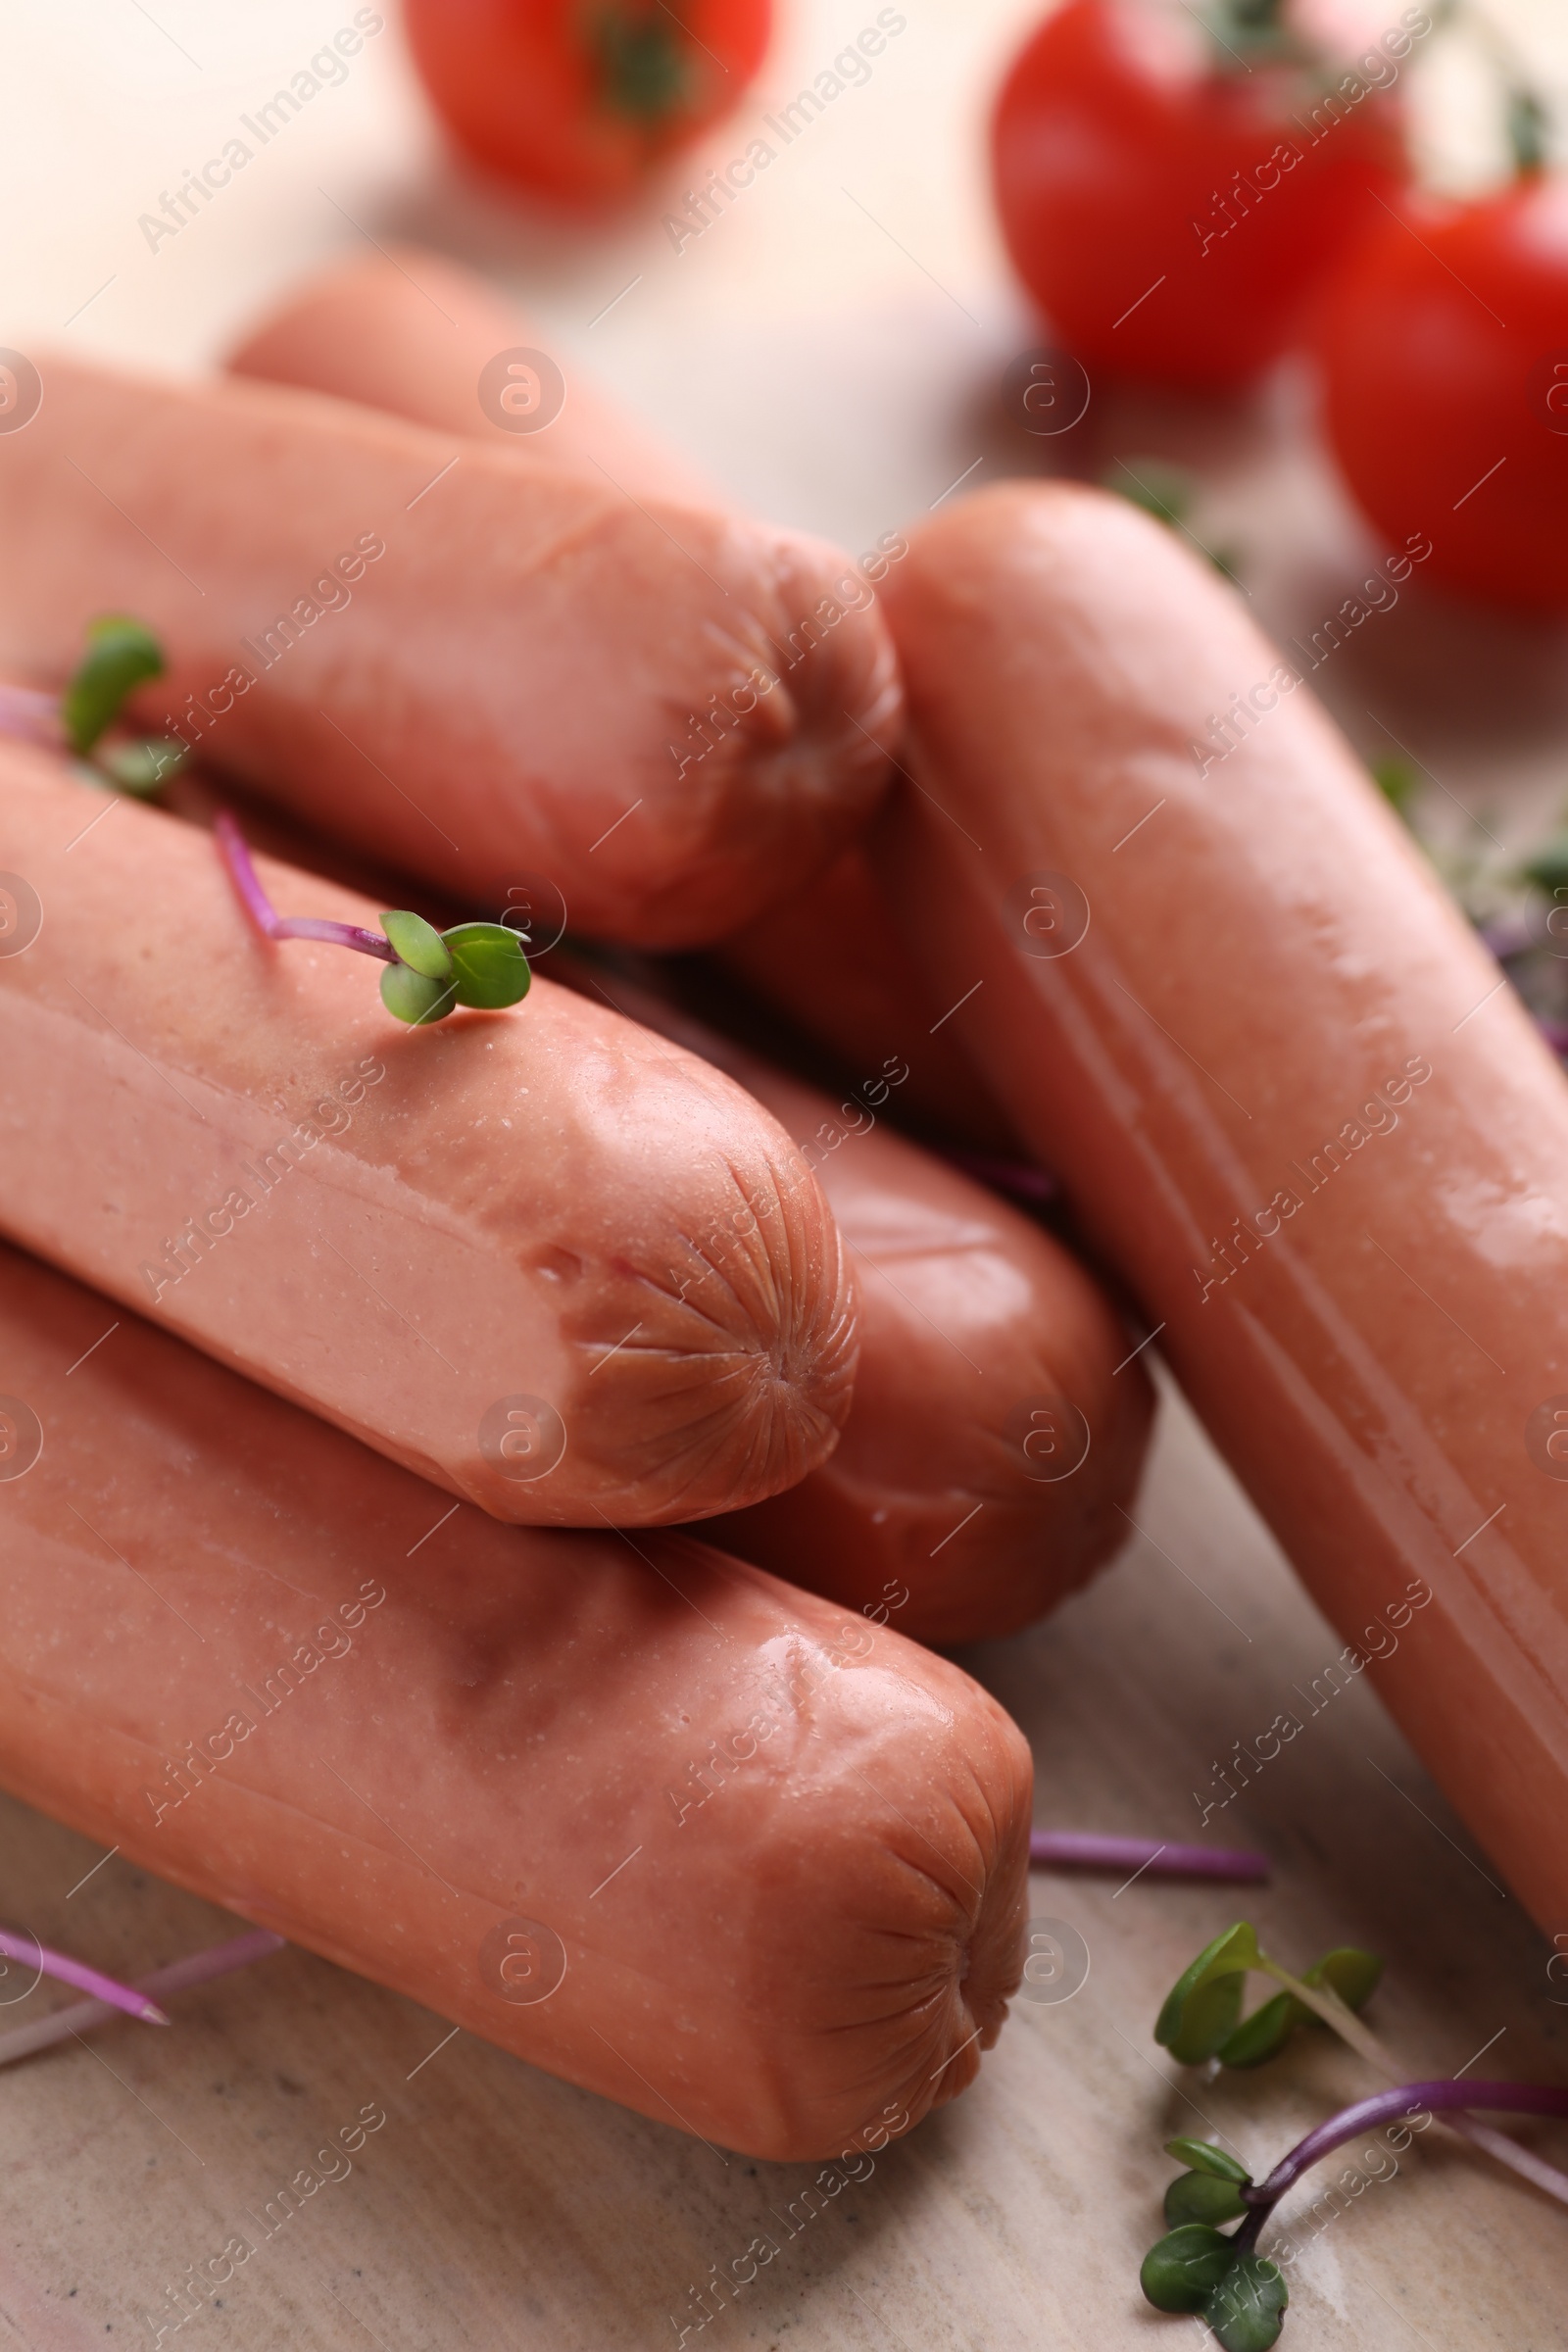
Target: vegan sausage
pixel 996 1431
pixel 541 1256
pixel 638 1813
pixel 1288 1089
pixel 415 335
pixel 476 669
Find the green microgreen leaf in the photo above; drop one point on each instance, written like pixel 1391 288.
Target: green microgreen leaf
pixel 1245 2309
pixel 1548 870
pixel 418 944
pixel 1203 2197
pixel 1204 2157
pixel 1182 2269
pixel 1350 1972
pixel 121 653
pixel 488 965
pixel 1397 780
pixel 1162 490
pixel 1165 492
pixel 414 998
pixel 1347 1971
pixel 1202 2006
pixel 145 767
pixel 1264 2034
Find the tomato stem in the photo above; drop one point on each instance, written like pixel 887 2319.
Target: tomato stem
pixel 645 69
pixel 1528 124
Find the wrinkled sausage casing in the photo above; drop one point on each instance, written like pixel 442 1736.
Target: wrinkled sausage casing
pixel 415 335
pixel 470 668
pixel 996 1429
pixel 961 1502
pixel 1288 1091
pixel 542 1257
pixel 638 1813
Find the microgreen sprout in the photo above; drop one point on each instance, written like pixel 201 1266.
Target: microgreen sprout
pixel 179 1976
pixel 1201 2017
pixel 1241 2294
pixel 1194 2267
pixel 122 655
pixel 1084 1850
pixel 1166 492
pixel 428 972
pixel 29 1952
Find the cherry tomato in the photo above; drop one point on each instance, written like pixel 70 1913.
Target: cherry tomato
pixel 1171 209
pixel 1444 354
pixel 577 98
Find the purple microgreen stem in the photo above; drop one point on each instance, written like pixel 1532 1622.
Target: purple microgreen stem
pixel 1077 1849
pixel 1326 2003
pixel 32 1954
pixel 1014 1177
pixel 1407 2100
pixel 30 716
pixel 180 1976
pixel 265 915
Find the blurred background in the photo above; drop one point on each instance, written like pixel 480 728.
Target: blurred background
pixel 831 349
pixel 834 350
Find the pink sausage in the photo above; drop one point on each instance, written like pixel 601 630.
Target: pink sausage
pixel 414 334
pixel 1288 1089
pixel 640 1814
pixel 997 1430
pixel 474 668
pixel 553 1262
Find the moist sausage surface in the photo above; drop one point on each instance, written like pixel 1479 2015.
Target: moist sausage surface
pixel 995 1430
pixel 542 1257
pixel 414 334
pixel 1288 1089
pixel 638 1813
pixel 469 667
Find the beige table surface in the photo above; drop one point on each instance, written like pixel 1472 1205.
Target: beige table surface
pixel 829 351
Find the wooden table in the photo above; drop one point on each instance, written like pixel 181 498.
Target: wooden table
pixel 830 352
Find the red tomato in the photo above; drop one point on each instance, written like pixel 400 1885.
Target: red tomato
pixel 1170 212
pixel 577 98
pixel 1445 363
